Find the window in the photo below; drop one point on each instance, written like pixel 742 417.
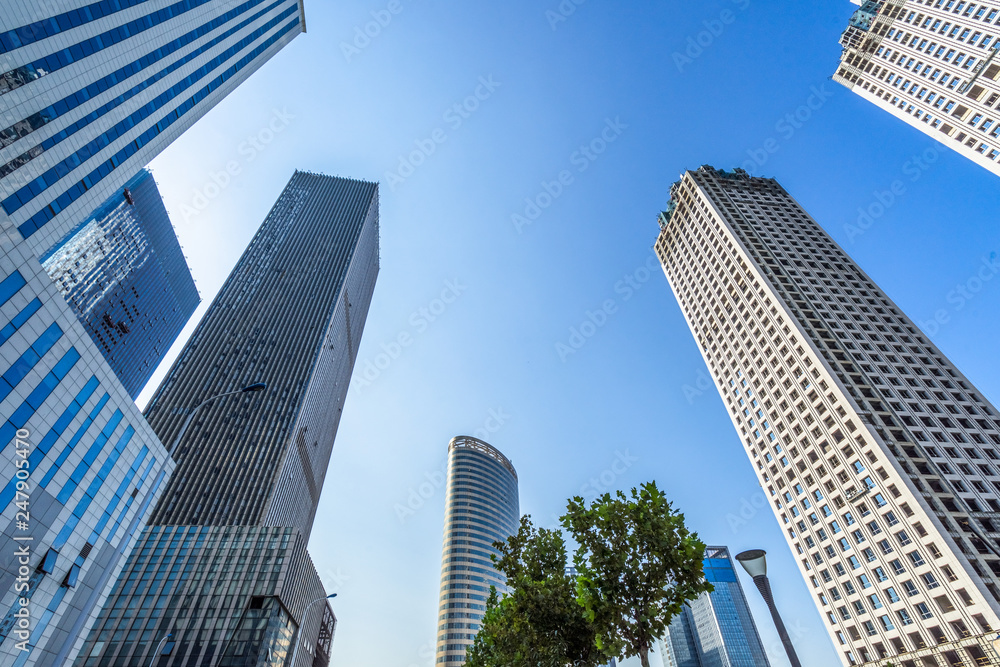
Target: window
pixel 923 611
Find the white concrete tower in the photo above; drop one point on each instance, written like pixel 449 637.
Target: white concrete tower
pixel 931 63
pixel 878 456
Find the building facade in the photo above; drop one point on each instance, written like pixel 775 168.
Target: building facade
pixel 481 507
pixel 291 315
pixel 715 629
pixel 124 274
pixel 879 457
pixel 80 468
pixel 932 64
pixel 91 92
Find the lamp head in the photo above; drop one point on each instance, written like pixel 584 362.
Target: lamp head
pixel 754 562
pixel 257 386
pixel 331 596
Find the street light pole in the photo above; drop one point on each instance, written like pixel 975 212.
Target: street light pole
pixel 158 645
pixel 755 564
pixel 257 386
pixel 298 635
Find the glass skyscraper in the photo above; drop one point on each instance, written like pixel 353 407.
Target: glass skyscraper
pixel 124 274
pixel 90 92
pixel 93 91
pixel 880 459
pixel 79 471
pixel 481 507
pixel 223 566
pixel 716 629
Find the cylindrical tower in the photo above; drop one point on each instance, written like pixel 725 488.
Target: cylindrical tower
pixel 481 508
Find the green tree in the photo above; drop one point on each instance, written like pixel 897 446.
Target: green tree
pixel 637 565
pixel 539 622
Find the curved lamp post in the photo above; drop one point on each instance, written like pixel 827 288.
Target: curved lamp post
pixel 257 386
pixel 158 645
pixel 755 564
pixel 298 636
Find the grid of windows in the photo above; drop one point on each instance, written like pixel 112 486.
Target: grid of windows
pixel 481 507
pixel 142 76
pixel 715 628
pixel 124 275
pixel 243 582
pixel 933 64
pixel 93 465
pixel 875 450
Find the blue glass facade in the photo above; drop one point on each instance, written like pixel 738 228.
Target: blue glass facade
pixel 124 275
pixel 172 62
pixel 79 461
pixel 716 629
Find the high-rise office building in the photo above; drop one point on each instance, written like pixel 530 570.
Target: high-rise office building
pixel 93 91
pixel 481 507
pixel 79 471
pixel 932 64
pixel 223 566
pixel 715 629
pixel 90 92
pixel 124 274
pixel 879 457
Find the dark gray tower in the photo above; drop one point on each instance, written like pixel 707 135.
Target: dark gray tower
pixel 290 315
pixel 233 522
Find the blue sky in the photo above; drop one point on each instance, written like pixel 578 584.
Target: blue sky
pixel 627 406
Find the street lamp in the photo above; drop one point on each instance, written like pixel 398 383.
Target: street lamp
pixel 158 645
pixel 755 564
pixel 298 635
pixel 257 386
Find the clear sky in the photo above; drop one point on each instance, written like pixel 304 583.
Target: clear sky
pixel 625 407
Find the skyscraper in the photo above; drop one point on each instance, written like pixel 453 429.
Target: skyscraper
pixel 92 93
pixel 481 507
pixel 715 629
pixel 932 64
pixel 878 456
pixel 223 566
pixel 124 274
pixel 79 471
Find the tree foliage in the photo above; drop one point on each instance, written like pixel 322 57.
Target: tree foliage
pixel 637 565
pixel 539 622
